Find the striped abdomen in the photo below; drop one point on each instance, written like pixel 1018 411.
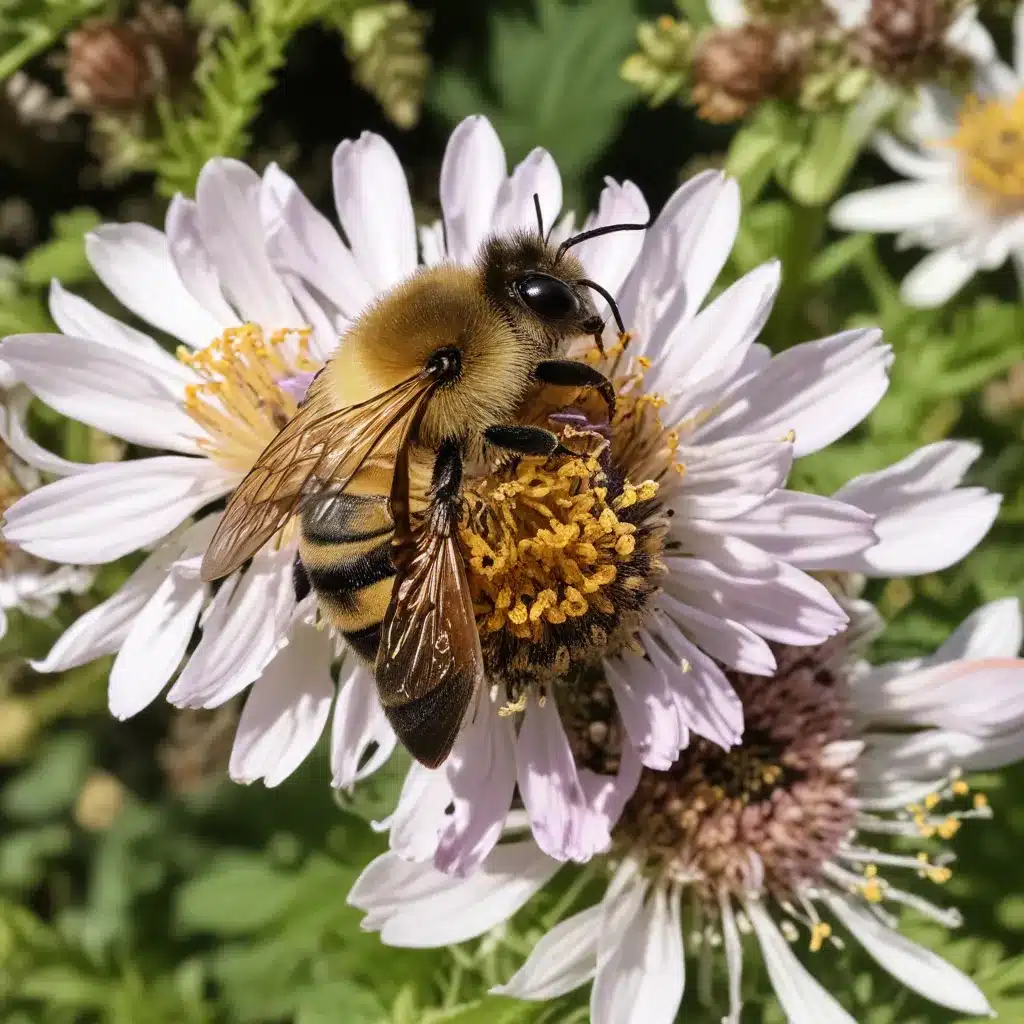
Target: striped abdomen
pixel 345 550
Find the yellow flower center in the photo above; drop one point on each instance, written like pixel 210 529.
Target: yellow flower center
pixel 239 402
pixel 558 558
pixel 990 141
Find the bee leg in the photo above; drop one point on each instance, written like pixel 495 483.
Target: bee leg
pixel 569 373
pixel 446 485
pixel 524 440
pixel 301 582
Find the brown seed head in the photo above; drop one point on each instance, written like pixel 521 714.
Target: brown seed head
pixel 107 68
pixel 771 811
pixel 734 69
pixel 904 40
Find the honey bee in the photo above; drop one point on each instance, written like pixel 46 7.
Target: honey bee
pixel 433 373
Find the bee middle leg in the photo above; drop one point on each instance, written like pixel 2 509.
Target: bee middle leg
pixel 572 374
pixel 524 440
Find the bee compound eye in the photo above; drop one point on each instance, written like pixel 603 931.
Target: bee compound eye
pixel 548 297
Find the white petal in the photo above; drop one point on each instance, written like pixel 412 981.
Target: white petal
pixel 608 259
pixel 726 478
pixel 415 905
pixel 916 967
pixel 641 982
pixel 109 388
pixel 472 172
pixel 970 37
pixel 286 710
pixel 707 703
pixel 982 698
pixel 134 262
pixel 995 630
pixel 301 240
pixel 933 467
pixel 726 641
pixel 788 606
pixel 701 354
pixel 927 535
pixel 194 265
pixel 647 708
pixel 564 959
pixel 14 434
pixel 803 1000
pixel 359 721
pixel 818 390
pixel 806 530
pixel 247 625
pixel 415 827
pixel 228 214
pixel 112 508
pixel 549 784
pixel 102 629
pixel 906 204
pixel 938 277
pixel 374 208
pixel 482 773
pixel 514 209
pixel 81 319
pixel 156 642
pixel 911 163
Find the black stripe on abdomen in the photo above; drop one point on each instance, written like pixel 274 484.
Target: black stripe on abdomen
pixel 349 575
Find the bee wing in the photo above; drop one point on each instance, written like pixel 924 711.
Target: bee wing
pixel 429 663
pixel 319 447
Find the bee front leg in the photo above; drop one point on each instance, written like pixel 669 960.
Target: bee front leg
pixel 569 373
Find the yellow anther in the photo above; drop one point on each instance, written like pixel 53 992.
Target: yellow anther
pixel 872 891
pixel 819 933
pixel 870 870
pixel 960 788
pixel 932 800
pixel 980 801
pixel 949 828
pixel 513 707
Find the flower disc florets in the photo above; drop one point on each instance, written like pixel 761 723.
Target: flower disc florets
pixel 563 554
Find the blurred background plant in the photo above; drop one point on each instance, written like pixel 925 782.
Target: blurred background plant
pixel 136 883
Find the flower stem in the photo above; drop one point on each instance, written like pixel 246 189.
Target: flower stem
pixel 802 245
pixel 568 898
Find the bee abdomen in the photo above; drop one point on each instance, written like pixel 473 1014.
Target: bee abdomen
pixel 345 550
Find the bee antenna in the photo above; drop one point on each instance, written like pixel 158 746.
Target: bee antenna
pixel 540 216
pixel 606 295
pixel 596 232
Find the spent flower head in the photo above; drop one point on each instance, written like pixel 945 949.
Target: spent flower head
pixel 834 813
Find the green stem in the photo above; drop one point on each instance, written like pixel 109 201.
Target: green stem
pixel 802 246
pixel 567 899
pixel 80 690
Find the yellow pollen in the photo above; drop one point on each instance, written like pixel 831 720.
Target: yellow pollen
pixel 872 891
pixel 960 788
pixel 980 801
pixel 238 401
pixel 949 828
pixel 871 871
pixel 513 707
pixel 544 545
pixel 819 933
pixel 990 142
pixel 932 800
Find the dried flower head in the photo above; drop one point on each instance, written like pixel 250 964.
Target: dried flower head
pixel 734 69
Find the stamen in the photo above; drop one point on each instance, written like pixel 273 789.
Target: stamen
pixel 239 401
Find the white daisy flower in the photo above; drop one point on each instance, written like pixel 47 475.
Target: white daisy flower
pixel 206 414
pixel 27 584
pixel 785 832
pixel 965 196
pixel 706 428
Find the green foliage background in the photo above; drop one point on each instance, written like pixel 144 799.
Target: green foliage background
pixel 226 905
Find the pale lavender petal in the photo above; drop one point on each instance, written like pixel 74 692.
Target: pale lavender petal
pixel 359 724
pixel 648 710
pixel 482 773
pixel 549 784
pixel 416 824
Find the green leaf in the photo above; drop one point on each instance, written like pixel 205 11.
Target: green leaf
pixel 239 894
pixel 63 256
pixel 52 781
pixel 63 985
pixel 553 81
pixel 330 1002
